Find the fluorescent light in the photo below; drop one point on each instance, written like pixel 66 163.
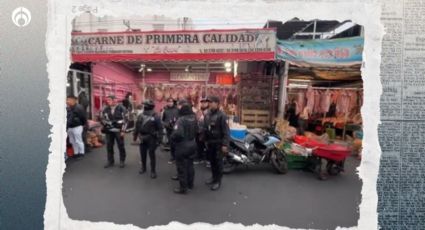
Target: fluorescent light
pixel 228 69
pixel 227 65
pixel 235 68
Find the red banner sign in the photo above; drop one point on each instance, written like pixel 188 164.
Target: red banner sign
pixel 244 44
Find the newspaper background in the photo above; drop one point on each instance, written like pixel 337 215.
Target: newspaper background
pixel 401 202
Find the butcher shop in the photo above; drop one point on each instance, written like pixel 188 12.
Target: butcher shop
pixel 232 64
pixel 323 90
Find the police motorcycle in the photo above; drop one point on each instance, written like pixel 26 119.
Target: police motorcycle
pixel 258 146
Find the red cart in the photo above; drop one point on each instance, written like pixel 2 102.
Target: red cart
pixel 334 154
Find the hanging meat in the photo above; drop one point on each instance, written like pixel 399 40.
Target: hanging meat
pixel 203 91
pixel 317 97
pixel 144 91
pixel 343 103
pixel 360 96
pixel 209 91
pixel 186 92
pixel 310 98
pixel 300 102
pixel 325 101
pixel 167 92
pixel 179 92
pixel 158 94
pixel 151 93
pixel 174 92
pixel 193 91
pixel 193 96
pixel 353 100
pixel 339 103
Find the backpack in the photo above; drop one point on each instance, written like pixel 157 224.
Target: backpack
pixel 142 122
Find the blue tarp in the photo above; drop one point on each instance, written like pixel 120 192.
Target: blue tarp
pixel 319 52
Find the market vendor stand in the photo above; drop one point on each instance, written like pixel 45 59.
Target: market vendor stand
pixel 324 76
pixel 181 64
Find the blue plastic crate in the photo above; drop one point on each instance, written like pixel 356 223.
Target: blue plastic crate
pixel 238 133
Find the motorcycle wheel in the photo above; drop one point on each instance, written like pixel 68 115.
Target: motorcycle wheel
pixel 228 166
pixel 279 162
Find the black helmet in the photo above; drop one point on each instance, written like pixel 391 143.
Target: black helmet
pixel 213 99
pixel 186 109
pixel 148 104
pixel 183 102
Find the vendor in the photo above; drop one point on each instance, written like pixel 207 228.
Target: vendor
pixel 291 115
pixel 303 120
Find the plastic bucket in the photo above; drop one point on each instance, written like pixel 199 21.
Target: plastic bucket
pixel 238 133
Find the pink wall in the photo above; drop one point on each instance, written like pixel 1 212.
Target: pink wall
pixel 126 80
pixel 123 78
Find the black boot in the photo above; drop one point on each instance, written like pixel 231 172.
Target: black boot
pixel 215 186
pixel 109 165
pixel 142 170
pixel 209 181
pixel 153 175
pixel 190 187
pixel 180 191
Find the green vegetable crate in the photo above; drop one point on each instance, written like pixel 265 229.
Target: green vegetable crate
pixel 294 161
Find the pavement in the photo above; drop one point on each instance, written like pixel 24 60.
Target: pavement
pixel 254 195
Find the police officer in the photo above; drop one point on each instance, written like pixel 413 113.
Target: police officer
pixel 184 137
pixel 149 131
pixel 113 118
pixel 199 139
pixel 217 137
pixel 169 117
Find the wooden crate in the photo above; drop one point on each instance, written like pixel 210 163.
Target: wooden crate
pixel 256 118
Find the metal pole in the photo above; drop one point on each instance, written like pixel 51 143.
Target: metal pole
pixel 282 91
pixel 314 29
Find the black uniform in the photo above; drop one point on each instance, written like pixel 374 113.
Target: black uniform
pixel 76 116
pixel 149 131
pixel 114 122
pixel 169 118
pixel 184 138
pixel 200 137
pixel 291 115
pixel 217 135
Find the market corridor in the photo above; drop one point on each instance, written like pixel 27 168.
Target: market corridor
pixel 248 196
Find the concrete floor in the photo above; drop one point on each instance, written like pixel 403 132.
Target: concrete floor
pixel 248 196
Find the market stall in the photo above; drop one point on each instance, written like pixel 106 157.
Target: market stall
pixel 323 96
pixel 181 64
